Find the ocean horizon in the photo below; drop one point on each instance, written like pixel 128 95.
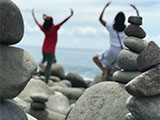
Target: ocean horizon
pixel 75 60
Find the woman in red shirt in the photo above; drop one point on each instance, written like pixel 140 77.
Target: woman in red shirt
pixel 51 36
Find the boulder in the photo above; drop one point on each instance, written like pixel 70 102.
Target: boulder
pixel 103 101
pixel 76 80
pixel 16 67
pixel 35 87
pixel 144 108
pixel 135 44
pixel 127 60
pixel 57 70
pixel 149 58
pixel 11 111
pixel 58 103
pixel 145 84
pixel 136 20
pixel 11 23
pixel 135 31
pixel 71 93
pixel 124 76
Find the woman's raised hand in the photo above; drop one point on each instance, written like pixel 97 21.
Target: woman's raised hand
pixel 134 7
pixel 71 10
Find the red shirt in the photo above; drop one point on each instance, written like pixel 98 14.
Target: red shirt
pixel 51 37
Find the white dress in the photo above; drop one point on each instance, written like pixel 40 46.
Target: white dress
pixel 109 56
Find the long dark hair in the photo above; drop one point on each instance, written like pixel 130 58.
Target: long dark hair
pixel 119 21
pixel 48 23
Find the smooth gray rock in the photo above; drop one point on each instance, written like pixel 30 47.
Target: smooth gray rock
pixel 16 68
pixel 11 111
pixel 144 108
pixel 11 23
pixel 38 106
pixel 58 103
pixel 127 60
pixel 124 76
pixel 149 58
pixel 103 101
pixel 76 80
pixel 55 79
pixel 71 93
pixel 135 31
pixel 129 116
pixel 51 83
pixel 136 20
pixel 146 84
pixel 67 83
pixel 57 70
pixel 35 86
pixel 135 44
pixel 39 97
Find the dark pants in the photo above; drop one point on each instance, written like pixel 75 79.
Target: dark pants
pixel 50 58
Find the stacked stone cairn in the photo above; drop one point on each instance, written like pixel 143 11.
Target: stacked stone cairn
pixel 16 65
pixel 39 101
pixel 127 57
pixel 141 72
pixel 144 102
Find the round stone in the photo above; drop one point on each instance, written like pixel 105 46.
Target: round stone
pixel 135 31
pixel 11 23
pixel 136 20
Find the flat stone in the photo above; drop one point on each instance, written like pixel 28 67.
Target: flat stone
pixel 11 23
pixel 146 84
pixel 16 67
pixel 149 58
pixel 124 76
pixel 39 97
pixel 38 106
pixel 127 60
pixel 144 108
pixel 136 20
pixel 11 111
pixel 135 44
pixel 135 31
pixel 103 101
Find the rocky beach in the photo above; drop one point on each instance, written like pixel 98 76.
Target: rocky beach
pixel 132 93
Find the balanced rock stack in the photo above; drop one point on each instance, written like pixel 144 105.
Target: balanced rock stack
pixel 16 65
pixel 127 57
pixel 144 104
pixel 39 101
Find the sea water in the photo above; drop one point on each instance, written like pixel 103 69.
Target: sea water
pixel 72 59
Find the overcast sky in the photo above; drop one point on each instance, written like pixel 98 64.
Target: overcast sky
pixel 83 30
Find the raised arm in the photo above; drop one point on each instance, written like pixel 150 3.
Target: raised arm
pixel 103 22
pixel 34 17
pixel 134 7
pixel 61 23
